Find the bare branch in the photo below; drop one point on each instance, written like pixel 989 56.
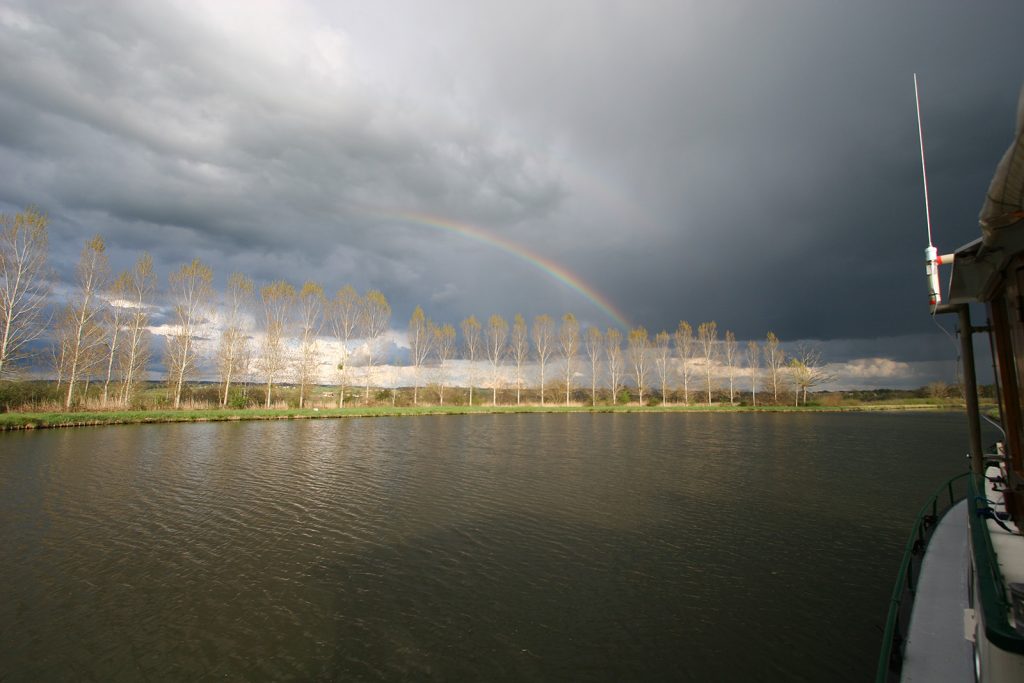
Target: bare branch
pixel 24 287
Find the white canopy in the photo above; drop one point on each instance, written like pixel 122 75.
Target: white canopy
pixel 1004 202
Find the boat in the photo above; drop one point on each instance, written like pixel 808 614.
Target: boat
pixel 957 609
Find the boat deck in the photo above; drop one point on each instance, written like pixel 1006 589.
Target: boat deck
pixel 1008 546
pixel 936 650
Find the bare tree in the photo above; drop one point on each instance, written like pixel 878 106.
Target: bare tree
pixel 519 347
pixel 58 355
pixel 90 353
pixel 247 363
pixel 387 378
pixel 114 314
pixel 81 333
pixel 707 337
pixel 471 343
pixel 639 353
pixel 800 375
pixel 569 340
pixel 58 349
pixel 311 323
pixel 753 365
pixel 662 358
pixel 594 343
pixel 140 289
pixel 191 293
pixel 543 344
pixel 774 360
pixel 344 318
pixel 24 286
pixel 685 348
pixel 730 354
pixel 613 352
pixel 278 298
pixel 808 370
pixel 233 339
pixel 497 333
pixel 444 351
pixel 375 316
pixel 420 339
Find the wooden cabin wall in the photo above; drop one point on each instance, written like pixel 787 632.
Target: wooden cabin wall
pixel 1007 319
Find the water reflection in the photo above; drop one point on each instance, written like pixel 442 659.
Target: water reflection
pixel 495 547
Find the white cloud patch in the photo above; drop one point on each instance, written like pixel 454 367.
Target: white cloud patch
pixel 872 368
pixel 446 293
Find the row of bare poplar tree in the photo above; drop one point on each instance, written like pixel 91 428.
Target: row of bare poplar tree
pixel 688 360
pixel 102 334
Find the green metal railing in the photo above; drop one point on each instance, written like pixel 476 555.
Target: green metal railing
pixel 890 661
pixel 992 600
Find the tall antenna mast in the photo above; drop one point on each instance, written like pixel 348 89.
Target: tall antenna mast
pixel 924 170
pixel 931 254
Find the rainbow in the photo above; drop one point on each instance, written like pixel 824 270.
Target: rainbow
pixel 548 266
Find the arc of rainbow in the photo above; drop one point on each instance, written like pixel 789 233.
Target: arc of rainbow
pixel 546 265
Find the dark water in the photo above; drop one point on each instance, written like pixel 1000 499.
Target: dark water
pixel 510 547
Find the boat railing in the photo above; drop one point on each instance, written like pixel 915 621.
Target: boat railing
pixel 992 593
pixel 949 494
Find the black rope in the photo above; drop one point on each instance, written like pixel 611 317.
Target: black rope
pixel 989 513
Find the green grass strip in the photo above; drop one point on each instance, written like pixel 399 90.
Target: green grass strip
pixel 13 421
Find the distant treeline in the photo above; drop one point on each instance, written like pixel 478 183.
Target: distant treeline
pixel 35 396
pixel 98 344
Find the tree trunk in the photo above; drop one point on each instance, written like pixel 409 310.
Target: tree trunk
pixel 177 388
pixel 129 376
pixel 110 366
pixel 3 342
pixel 542 384
pixel 181 375
pixel 71 384
pixel 227 384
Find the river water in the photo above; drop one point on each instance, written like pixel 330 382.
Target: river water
pixel 484 547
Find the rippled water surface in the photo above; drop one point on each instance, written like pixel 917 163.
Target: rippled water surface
pixel 484 547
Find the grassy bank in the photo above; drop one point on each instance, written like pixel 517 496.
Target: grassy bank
pixel 13 421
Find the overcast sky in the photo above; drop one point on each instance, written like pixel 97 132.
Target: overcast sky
pixel 749 162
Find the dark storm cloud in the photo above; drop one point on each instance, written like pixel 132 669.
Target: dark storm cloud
pixel 158 123
pixel 789 188
pixel 754 163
